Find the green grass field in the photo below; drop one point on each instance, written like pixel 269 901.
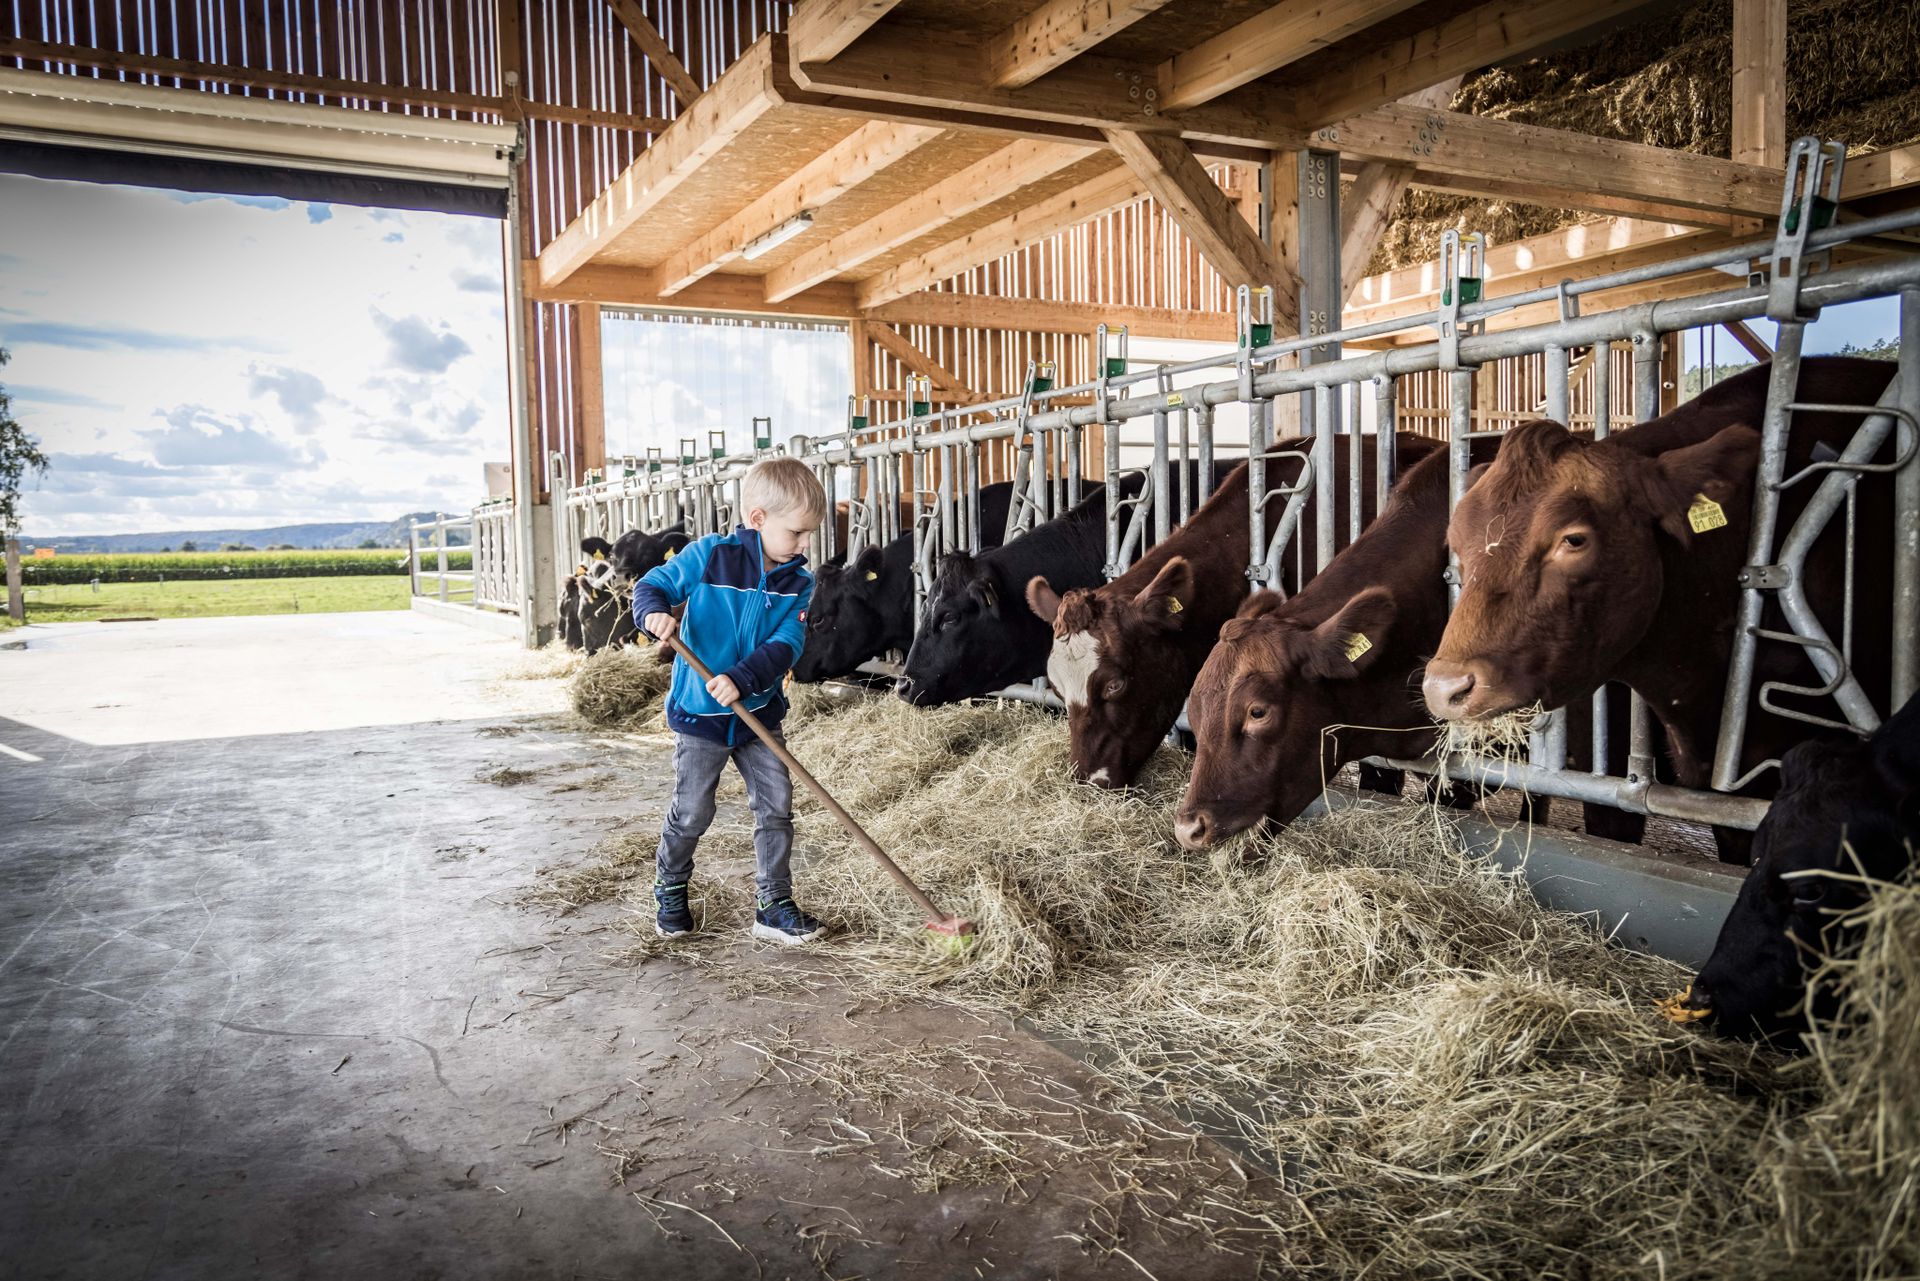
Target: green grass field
pixel 211 599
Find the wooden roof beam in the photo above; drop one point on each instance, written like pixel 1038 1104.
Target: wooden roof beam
pixel 741 96
pixel 1760 82
pixel 1057 31
pixel 658 54
pixel 863 153
pixel 1580 201
pixel 1182 186
pixel 1019 164
pixel 820 29
pixel 1480 37
pixel 1017 230
pixel 897 63
pixel 1265 42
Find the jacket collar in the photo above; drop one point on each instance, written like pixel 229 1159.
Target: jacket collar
pixel 750 539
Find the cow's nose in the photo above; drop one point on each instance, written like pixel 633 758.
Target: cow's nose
pixel 1193 830
pixel 1447 687
pixel 904 688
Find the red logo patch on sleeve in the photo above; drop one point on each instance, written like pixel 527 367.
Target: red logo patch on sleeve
pixel 803 615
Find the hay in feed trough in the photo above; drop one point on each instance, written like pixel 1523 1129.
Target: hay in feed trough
pixel 1454 1080
pixel 620 688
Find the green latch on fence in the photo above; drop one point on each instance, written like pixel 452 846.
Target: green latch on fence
pixel 1260 334
pixel 857 423
pixel 1116 366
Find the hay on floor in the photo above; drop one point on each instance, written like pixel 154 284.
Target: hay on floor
pixel 1454 1080
pixel 620 688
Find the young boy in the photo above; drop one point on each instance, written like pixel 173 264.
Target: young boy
pixel 746 595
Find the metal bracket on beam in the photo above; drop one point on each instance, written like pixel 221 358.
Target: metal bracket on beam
pixel 1463 269
pixel 1808 201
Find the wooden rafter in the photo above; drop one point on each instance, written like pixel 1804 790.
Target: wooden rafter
pixel 1017 230
pixel 1878 172
pixel 1037 42
pixel 1366 208
pixel 1755 345
pixel 820 29
pixel 842 167
pixel 662 58
pixel 1017 165
pixel 895 63
pixel 947 385
pixel 723 113
pixel 1267 41
pixel 1579 201
pixel 1182 186
pixel 985 311
pixel 1490 33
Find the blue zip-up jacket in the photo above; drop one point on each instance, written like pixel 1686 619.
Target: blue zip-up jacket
pixel 745 622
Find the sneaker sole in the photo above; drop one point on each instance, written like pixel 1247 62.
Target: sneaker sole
pixel 670 934
pixel 771 935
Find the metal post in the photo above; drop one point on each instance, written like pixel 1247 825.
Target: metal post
pixel 1386 435
pixel 1203 426
pixel 1906 508
pixel 1157 482
pixel 1459 461
pixel 440 545
pixel 413 558
pixel 1356 464
pixel 1321 299
pixel 539 594
pixel 1257 492
pixel 1324 477
pixel 1557 385
pixel 16 597
pixel 1115 512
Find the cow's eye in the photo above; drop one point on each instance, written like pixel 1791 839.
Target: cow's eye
pixel 1116 687
pixel 1256 713
pixel 1809 890
pixel 1573 540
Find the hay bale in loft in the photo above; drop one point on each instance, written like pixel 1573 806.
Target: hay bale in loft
pixel 1668 82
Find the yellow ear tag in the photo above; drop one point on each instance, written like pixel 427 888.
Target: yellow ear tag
pixel 669 555
pixel 871 575
pixel 1705 514
pixel 1357 645
pixel 599 555
pixel 1173 605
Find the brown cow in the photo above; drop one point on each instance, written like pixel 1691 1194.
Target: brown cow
pixel 1125 654
pixel 1581 565
pixel 1347 652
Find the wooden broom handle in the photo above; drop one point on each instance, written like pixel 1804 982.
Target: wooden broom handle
pixel 846 820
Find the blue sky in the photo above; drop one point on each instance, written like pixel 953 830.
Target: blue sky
pixel 191 361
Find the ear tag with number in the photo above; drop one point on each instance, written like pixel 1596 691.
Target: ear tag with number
pixel 1357 644
pixel 1705 514
pixel 1173 605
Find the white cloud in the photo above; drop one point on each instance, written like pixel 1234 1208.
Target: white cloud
pixel 150 317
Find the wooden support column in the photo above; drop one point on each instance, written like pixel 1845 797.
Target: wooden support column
pixel 1760 82
pixel 589 388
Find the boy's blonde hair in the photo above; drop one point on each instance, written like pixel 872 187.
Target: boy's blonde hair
pixel 783 486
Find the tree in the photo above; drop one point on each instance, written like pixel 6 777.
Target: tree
pixel 189 546
pixel 19 454
pixel 369 542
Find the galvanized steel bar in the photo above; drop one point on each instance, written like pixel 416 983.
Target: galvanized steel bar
pixel 1906 509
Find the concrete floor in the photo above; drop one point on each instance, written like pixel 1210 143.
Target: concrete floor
pixel 268 1006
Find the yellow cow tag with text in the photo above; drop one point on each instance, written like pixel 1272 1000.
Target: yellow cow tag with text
pixel 1357 645
pixel 1175 399
pixel 1705 514
pixel 1173 605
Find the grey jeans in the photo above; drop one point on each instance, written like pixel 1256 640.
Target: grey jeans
pixel 697 763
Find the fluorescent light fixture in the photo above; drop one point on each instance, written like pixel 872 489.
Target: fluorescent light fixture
pixel 779 235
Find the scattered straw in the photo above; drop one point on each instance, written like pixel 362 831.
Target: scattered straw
pixel 554 661
pixel 1455 1080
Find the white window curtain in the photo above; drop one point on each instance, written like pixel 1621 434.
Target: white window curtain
pixel 673 375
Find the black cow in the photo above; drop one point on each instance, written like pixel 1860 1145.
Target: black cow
pixel 859 612
pixel 1845 810
pixel 599 595
pixel 977 634
pixel 636 551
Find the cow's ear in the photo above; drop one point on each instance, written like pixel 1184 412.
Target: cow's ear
pixel 1252 610
pixel 1166 598
pixel 867 566
pixel 1351 641
pixel 1693 487
pixel 1042 599
pixel 1473 476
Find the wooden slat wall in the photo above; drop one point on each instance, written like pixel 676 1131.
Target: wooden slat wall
pixel 1513 391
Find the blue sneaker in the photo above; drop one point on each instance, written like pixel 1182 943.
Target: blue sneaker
pixel 674 917
pixel 782 921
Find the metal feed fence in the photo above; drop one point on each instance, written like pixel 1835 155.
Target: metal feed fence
pixel 929 466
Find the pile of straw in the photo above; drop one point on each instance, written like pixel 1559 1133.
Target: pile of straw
pixel 1666 79
pixel 620 688
pixel 1457 1080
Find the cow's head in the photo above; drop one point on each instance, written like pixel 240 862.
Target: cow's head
pixel 1845 810
pixel 1560 543
pixel 1260 708
pixel 1116 662
pixel 848 621
pixel 636 552
pixel 976 635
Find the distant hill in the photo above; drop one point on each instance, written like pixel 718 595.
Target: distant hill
pixel 392 533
